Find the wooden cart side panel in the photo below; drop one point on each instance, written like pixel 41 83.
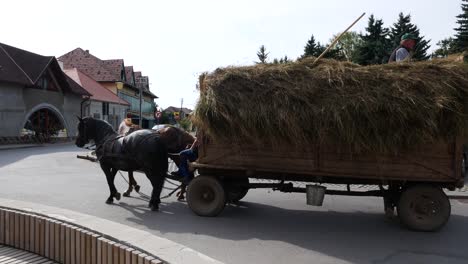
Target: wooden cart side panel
pixel 436 162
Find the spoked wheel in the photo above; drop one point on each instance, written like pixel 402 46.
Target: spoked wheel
pixel 206 196
pixel 236 188
pixel 424 208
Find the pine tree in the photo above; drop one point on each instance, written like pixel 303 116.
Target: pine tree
pixel 286 59
pixel 262 55
pixel 461 37
pixel 312 48
pixel 375 47
pixel 282 60
pixel 403 26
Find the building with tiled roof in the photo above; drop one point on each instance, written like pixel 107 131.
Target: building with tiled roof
pixel 117 78
pixel 35 95
pixel 130 75
pixel 103 104
pixel 183 114
pixel 88 64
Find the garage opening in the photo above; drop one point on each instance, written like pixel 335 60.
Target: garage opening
pixel 44 125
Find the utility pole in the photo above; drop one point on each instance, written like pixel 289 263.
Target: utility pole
pixel 181 103
pixel 141 117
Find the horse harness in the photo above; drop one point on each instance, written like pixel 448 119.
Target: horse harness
pixel 107 150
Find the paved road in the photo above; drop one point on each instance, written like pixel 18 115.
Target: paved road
pixel 269 227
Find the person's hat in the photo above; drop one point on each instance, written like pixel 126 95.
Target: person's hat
pixel 408 36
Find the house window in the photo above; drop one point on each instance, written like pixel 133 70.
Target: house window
pixel 105 108
pixel 97 115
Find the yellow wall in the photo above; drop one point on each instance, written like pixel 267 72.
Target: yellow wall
pixel 111 86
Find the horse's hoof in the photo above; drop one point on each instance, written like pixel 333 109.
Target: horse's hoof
pixel 127 193
pixel 137 188
pixel 155 207
pixel 117 196
pixel 109 201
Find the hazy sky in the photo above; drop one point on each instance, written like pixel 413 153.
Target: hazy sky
pixel 174 41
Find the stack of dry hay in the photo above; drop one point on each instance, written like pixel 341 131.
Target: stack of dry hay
pixel 377 108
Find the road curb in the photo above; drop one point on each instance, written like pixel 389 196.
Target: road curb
pixel 21 146
pixel 164 249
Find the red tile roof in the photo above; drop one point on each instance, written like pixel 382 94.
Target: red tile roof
pixel 172 109
pixel 115 67
pixel 129 75
pixel 99 92
pixel 102 70
pixel 99 70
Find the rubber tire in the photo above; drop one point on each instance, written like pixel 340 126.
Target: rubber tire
pixel 197 191
pixel 235 194
pixel 410 199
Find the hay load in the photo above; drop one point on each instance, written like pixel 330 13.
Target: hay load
pixel 377 108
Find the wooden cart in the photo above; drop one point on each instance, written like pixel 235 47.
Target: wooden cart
pixel 412 182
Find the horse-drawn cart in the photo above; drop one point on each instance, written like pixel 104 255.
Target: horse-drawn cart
pixel 398 127
pixel 412 181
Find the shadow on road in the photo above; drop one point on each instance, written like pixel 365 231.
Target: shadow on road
pixel 9 156
pixel 355 237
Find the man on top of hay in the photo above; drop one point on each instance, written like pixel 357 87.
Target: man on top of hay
pixel 403 52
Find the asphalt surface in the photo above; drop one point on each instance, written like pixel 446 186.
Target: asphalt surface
pixel 268 227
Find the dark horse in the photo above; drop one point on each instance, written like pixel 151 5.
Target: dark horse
pixel 142 150
pixel 176 140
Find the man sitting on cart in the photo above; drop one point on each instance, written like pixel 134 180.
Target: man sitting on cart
pixel 186 156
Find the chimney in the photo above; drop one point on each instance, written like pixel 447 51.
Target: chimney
pixel 87 51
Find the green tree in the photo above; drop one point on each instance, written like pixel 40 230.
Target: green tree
pixel 282 60
pixel 404 25
pixel 347 47
pixel 461 37
pixel 165 118
pixel 446 47
pixel 185 124
pixel 312 48
pixel 375 47
pixel 285 59
pixel 262 55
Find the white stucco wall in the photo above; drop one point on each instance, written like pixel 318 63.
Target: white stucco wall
pixel 18 103
pixel 12 109
pixel 116 112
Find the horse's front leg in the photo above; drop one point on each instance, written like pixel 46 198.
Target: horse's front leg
pixel 110 176
pixel 157 181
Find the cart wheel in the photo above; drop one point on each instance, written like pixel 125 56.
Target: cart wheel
pixel 235 193
pixel 206 196
pixel 424 208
